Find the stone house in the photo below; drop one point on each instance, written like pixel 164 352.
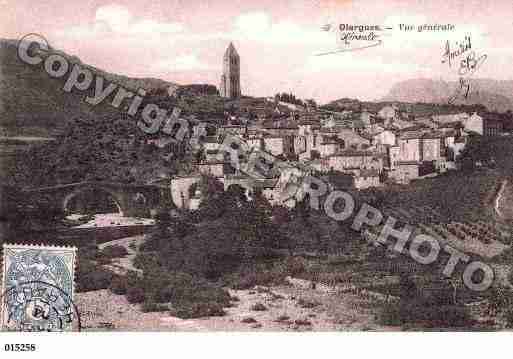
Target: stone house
pixel 279 144
pixel 492 125
pixel 393 156
pixel 405 171
pixel 388 113
pixel 254 142
pixel 385 137
pixel 409 146
pixel 181 190
pixel 353 140
pixel 432 145
pixel 351 159
pixel 212 168
pixel 366 178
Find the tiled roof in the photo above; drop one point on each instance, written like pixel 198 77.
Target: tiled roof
pixel 455 117
pixel 410 135
pixel 434 135
pixel 407 163
pixel 265 183
pixel 210 139
pixel 352 153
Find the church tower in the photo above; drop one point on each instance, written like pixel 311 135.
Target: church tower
pixel 230 80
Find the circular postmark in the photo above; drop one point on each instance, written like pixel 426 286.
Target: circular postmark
pixel 38 306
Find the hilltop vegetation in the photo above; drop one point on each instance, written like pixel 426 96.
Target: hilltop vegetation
pixel 103 149
pixel 413 108
pixel 34 103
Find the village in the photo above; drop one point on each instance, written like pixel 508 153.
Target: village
pixel 365 148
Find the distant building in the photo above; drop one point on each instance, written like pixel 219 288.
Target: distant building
pixel 385 137
pixel 474 123
pixel 181 191
pixel 354 160
pixel 492 125
pixel 230 80
pixel 410 146
pixel 366 178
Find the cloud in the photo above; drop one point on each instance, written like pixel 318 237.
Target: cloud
pixel 182 63
pixel 256 22
pixel 117 17
pixel 151 27
pixel 258 26
pixel 118 20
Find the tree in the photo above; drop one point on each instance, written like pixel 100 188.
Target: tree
pixel 477 149
pixel 213 204
pixel 311 103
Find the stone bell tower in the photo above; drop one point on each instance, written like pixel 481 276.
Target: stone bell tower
pixel 230 80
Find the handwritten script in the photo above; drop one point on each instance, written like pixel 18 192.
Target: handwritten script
pixel 469 63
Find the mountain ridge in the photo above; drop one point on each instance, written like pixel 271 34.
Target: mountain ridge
pixel 496 95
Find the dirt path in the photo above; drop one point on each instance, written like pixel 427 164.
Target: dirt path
pixel 504 201
pixel 499 197
pixel 124 264
pixel 285 308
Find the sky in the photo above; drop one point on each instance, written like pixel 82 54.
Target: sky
pixel 183 41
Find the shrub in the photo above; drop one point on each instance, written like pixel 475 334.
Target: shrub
pixel 258 307
pixel 135 295
pixel 149 306
pixel 88 252
pixel 198 310
pixel 282 318
pixel 177 287
pixel 248 320
pixel 114 251
pixel 426 316
pixel 302 322
pixel 189 296
pixel 390 315
pixel 118 285
pixel 258 274
pixel 508 316
pixel 294 265
pixel 146 261
pixel 103 260
pixel 304 303
pixel 91 277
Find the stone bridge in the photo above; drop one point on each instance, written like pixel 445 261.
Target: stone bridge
pixel 131 200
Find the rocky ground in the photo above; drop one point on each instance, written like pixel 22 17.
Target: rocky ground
pixel 111 219
pixel 281 308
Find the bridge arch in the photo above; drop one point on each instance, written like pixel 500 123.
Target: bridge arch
pixel 117 200
pixel 131 200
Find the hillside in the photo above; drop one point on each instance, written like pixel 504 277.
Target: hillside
pixel 494 94
pixel 33 103
pixel 96 142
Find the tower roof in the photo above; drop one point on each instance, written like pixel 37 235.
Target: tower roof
pixel 230 51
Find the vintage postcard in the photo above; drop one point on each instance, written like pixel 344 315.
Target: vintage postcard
pixel 257 166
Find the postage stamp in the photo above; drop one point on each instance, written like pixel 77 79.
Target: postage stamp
pixel 37 288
